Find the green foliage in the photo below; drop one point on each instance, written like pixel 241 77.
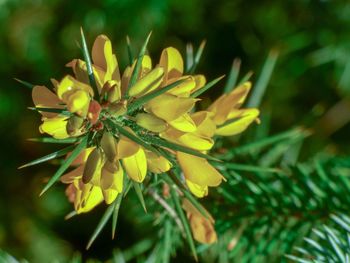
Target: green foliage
pixel 329 243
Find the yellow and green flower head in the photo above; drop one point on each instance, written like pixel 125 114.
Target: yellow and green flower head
pixel 126 127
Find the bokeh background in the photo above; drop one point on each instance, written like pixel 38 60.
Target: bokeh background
pixel 310 86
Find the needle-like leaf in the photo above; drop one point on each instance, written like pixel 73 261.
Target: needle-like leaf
pixel 88 64
pixel 52 110
pixel 139 194
pixel 198 56
pixel 106 216
pixel 53 140
pixel 206 87
pixel 189 56
pixel 49 157
pixel 25 83
pixel 116 213
pixel 264 78
pixel 67 162
pixel 137 68
pixel 232 78
pixel 128 44
pixel 246 77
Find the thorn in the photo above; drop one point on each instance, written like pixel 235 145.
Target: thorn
pixel 22 166
pixel 42 192
pixel 70 215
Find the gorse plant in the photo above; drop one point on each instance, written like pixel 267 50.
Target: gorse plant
pixel 139 129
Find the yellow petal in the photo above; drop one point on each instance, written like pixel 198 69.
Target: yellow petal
pixel 205 125
pixel 150 122
pixel 184 123
pixel 56 127
pixel 146 65
pixel 200 82
pixel 197 190
pixel 111 91
pixel 126 148
pixel 185 88
pixel 136 166
pixel 109 195
pixel 192 210
pixel 112 176
pixel 238 121
pixel 145 68
pixel 169 107
pixel 111 181
pixel 148 83
pixel 68 85
pixel 197 142
pixel 80 71
pixel 90 197
pixel 172 63
pixel 78 102
pixel 117 108
pixel 43 97
pixel 228 102
pixel 157 163
pixel 102 56
pixel 191 140
pixel 202 229
pixel 198 170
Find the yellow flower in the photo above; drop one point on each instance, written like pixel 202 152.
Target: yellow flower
pixel 133 159
pixel 55 126
pixel 126 142
pixel 111 181
pixel 94 180
pixel 53 123
pixel 157 163
pixel 75 94
pixel 105 65
pixel 200 139
pixel 85 196
pixel 198 173
pixel 228 116
pixel 202 227
pixel 172 62
pixel 174 110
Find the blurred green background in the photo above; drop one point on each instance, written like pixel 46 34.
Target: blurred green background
pixel 310 86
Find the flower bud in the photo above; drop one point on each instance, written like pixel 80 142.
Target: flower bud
pixel 113 94
pixel 109 146
pixel 74 124
pixel 117 108
pixel 93 167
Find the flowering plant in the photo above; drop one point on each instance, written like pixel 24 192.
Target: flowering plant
pixel 135 128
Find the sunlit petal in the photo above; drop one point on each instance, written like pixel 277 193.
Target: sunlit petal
pixel 198 170
pixel 136 166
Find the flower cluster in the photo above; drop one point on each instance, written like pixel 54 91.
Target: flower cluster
pixel 138 123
